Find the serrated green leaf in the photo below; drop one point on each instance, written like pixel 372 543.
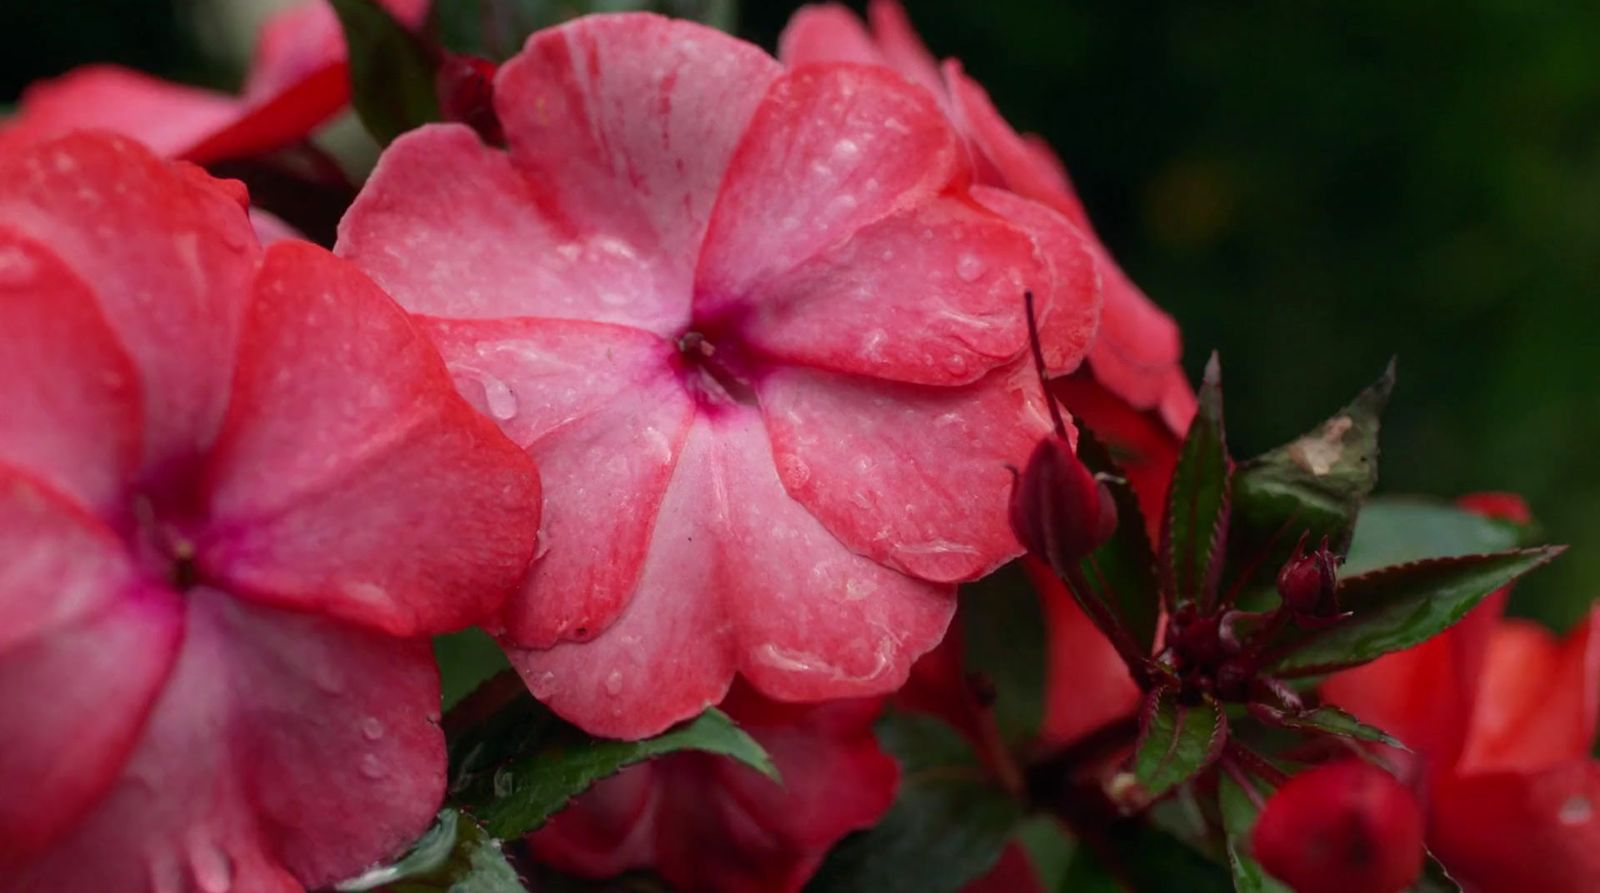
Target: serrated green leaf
pixel 1121 574
pixel 515 772
pixel 948 824
pixel 1003 638
pixel 455 856
pixel 1314 485
pixel 1332 721
pixel 1397 607
pixel 1397 529
pixel 467 659
pixel 391 71
pixel 1194 532
pixel 1177 741
pixel 1238 820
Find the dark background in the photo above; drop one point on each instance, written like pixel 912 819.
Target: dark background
pixel 1308 187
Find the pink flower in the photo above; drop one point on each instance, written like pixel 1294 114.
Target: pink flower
pixel 297 81
pixel 1137 350
pixel 707 823
pixel 767 347
pixel 1501 716
pixel 237 491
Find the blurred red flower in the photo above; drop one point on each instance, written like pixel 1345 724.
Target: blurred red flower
pixel 709 823
pixel 1137 349
pixel 1341 827
pixel 1501 717
pixel 223 555
pixel 767 348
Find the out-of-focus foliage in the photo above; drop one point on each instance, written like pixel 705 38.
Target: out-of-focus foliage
pixel 1308 187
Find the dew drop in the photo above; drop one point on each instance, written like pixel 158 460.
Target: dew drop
pixel 371 767
pixel 846 150
pixel 213 869
pixel 504 783
pixel 955 364
pixel 372 728
pixel 614 683
pixel 1576 811
pixel 501 402
pixel 969 267
pixel 16 268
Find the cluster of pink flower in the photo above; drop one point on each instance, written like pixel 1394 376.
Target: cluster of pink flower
pixel 703 389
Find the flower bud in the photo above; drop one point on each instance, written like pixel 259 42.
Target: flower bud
pixel 1058 510
pixel 1308 584
pixel 466 94
pixel 1345 827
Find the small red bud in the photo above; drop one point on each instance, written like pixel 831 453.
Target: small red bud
pixel 1308 584
pixel 466 94
pixel 1058 510
pixel 1345 827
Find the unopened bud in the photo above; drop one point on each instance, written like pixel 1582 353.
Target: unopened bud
pixel 1345 827
pixel 466 94
pixel 1309 583
pixel 1059 511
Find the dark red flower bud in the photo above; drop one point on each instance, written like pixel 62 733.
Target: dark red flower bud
pixel 466 94
pixel 1058 510
pixel 1345 827
pixel 1308 584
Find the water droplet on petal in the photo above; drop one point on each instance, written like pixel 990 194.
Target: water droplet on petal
pixel 846 150
pixel 955 364
pixel 497 396
pixel 371 767
pixel 213 869
pixel 614 683
pixel 1576 811
pixel 372 728
pixel 969 267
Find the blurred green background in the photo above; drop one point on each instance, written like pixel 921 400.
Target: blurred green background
pixel 1308 187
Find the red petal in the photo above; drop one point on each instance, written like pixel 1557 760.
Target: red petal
pixel 1515 831
pixel 1146 447
pixel 167 117
pixel 601 409
pixel 1138 350
pixel 826 32
pixel 625 126
pixel 84 649
pixel 1536 704
pixel 1010 160
pixel 915 477
pixel 513 254
pixel 70 393
pixel 172 288
pixel 1069 308
pixel 933 295
pixel 286 753
pixel 902 47
pixel 345 429
pixel 1088 686
pixel 830 150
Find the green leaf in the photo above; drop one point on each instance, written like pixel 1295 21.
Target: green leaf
pixel 1328 720
pixel 456 855
pixel 1194 532
pixel 1135 856
pixel 948 824
pixel 391 71
pixel 1435 879
pixel 1238 820
pixel 1400 606
pixel 519 769
pixel 1050 850
pixel 467 659
pixel 1121 574
pixel 1177 741
pixel 1314 486
pixel 1395 530
pixel 1003 638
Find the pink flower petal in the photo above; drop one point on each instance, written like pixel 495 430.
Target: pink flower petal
pixel 625 125
pixel 349 477
pixel 1068 307
pixel 63 374
pixel 934 295
pixel 173 287
pixel 286 753
pixel 1010 160
pixel 512 254
pixel 914 477
pixel 830 150
pixel 84 649
pixel 901 46
pixel 1516 831
pixel 602 411
pixel 167 117
pixel 826 32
